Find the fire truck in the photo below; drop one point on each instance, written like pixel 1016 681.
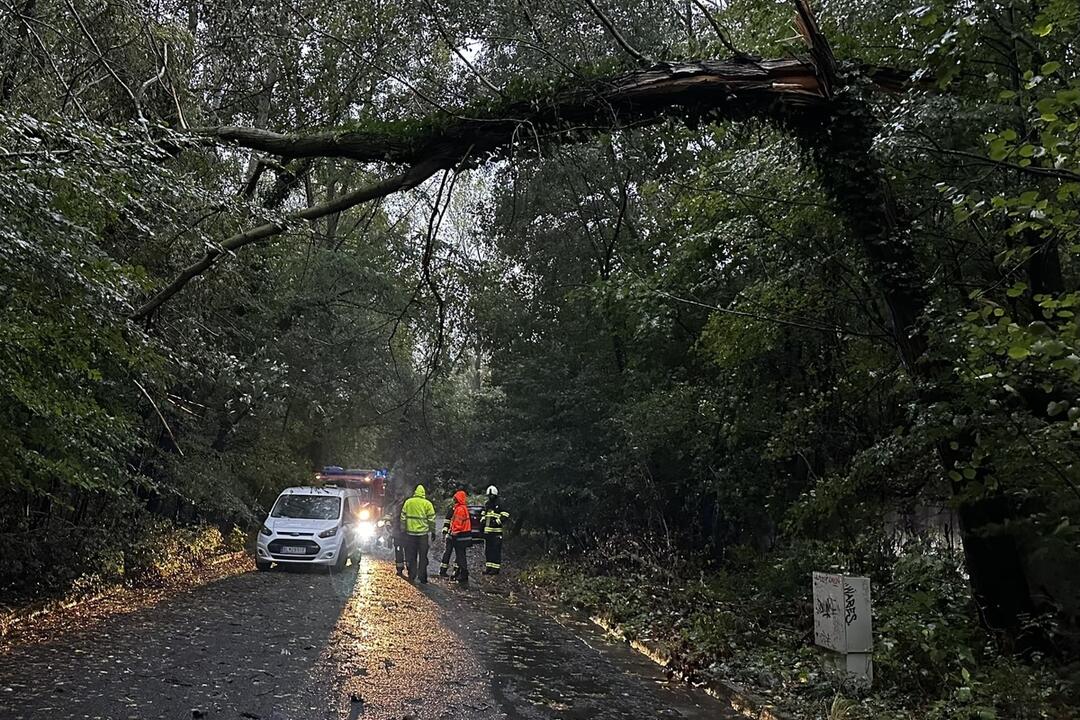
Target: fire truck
pixel 371 483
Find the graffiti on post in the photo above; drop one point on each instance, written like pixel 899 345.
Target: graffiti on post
pixel 842 612
pixel 850 613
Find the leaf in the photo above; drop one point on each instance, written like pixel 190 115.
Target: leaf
pixel 1050 68
pixel 1018 352
pixel 1056 407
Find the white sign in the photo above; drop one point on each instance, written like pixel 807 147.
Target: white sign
pixel 842 613
pixel 829 629
pixel 860 637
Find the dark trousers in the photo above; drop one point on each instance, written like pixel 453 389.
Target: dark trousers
pixel 448 550
pixel 461 545
pixel 416 549
pixel 399 553
pixel 492 553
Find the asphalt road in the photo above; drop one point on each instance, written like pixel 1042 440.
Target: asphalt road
pixel 362 644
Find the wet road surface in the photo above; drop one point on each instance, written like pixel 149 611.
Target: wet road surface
pixel 314 646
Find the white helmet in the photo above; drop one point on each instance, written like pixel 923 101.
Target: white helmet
pixel 492 490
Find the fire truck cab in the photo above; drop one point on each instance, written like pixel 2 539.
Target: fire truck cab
pixel 371 486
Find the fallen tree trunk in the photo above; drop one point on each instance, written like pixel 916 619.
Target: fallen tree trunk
pixel 712 89
pixel 699 90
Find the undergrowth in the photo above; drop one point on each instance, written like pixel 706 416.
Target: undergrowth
pixel 749 621
pixel 69 562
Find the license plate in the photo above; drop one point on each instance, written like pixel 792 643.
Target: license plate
pixel 293 550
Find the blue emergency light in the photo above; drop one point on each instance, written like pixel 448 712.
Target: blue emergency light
pixel 380 473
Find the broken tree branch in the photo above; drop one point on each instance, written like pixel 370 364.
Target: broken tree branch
pixel 820 50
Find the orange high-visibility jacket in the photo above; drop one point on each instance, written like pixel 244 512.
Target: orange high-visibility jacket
pixel 460 523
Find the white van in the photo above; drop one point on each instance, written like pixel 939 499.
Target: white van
pixel 314 526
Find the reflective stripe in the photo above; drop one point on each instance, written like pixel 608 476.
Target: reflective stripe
pixel 492 520
pixel 493 566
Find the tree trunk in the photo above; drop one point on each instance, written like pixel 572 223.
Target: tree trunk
pixel 840 141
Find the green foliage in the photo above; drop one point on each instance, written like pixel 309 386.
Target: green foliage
pixel 123 545
pixel 237 539
pixel 162 551
pixel 924 618
pixel 749 621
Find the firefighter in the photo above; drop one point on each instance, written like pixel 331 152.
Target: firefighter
pixel 461 535
pixel 418 517
pixel 492 522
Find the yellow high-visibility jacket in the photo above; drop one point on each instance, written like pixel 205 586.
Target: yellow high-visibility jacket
pixel 418 514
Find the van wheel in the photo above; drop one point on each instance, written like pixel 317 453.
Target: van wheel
pixel 262 565
pixel 339 565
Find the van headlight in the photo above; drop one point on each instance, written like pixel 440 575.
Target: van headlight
pixel 265 531
pixel 365 530
pixel 365 514
pixel 330 532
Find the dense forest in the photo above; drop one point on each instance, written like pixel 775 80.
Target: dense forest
pixel 731 282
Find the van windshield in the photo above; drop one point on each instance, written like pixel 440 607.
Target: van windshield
pixel 307 507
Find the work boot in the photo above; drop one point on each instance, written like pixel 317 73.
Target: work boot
pixel 443 573
pixel 423 581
